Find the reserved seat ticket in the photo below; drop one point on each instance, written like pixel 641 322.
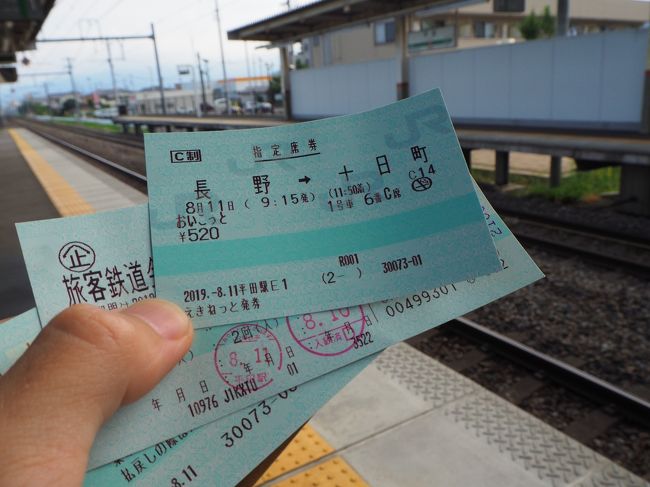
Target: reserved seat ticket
pixel 252 224
pixel 230 368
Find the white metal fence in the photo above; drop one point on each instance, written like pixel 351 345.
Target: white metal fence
pixel 343 88
pixel 592 80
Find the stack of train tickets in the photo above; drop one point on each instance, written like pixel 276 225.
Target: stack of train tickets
pixel 300 252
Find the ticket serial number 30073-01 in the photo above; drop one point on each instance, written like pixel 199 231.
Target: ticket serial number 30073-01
pixel 401 263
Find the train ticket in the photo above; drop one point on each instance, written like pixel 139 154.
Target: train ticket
pixel 229 368
pixel 16 335
pixel 220 453
pixel 103 259
pixel 252 224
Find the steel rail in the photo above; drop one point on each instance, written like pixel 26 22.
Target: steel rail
pixel 575 227
pixel 86 132
pixel 91 155
pixel 641 269
pixel 577 380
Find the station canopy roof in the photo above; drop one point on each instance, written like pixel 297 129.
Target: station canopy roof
pixel 321 16
pixel 20 21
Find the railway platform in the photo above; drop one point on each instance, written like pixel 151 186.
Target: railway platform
pixel 589 150
pixel 45 181
pixel 22 198
pixel 405 420
pixel 409 420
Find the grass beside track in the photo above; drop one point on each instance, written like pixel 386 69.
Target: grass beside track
pixel 587 186
pixel 92 125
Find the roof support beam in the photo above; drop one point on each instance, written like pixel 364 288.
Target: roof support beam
pixel 327 15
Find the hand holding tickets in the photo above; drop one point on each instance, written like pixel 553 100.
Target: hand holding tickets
pixel 250 357
pixel 83 366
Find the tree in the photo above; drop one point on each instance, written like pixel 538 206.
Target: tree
pixel 534 27
pixel 275 86
pixel 69 105
pixel 547 23
pixel 530 26
pixel 33 107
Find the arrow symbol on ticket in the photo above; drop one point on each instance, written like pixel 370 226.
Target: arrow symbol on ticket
pixel 305 180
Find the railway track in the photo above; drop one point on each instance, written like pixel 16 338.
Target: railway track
pixel 608 249
pixel 594 412
pixel 600 392
pixel 605 405
pixel 598 245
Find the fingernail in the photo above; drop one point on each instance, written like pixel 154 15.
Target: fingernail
pixel 167 319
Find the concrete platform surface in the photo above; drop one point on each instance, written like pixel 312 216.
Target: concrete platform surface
pixel 76 181
pixel 599 147
pixel 21 198
pixel 40 180
pixel 211 122
pixel 407 420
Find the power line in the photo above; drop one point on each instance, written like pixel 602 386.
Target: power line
pixel 111 8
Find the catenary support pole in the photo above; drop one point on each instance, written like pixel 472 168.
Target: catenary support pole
pixel 204 107
pixel 110 65
pixel 74 88
pixel 223 59
pixel 562 17
pixel 160 79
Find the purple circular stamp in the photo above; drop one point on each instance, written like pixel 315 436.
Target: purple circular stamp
pixel 248 354
pixel 328 333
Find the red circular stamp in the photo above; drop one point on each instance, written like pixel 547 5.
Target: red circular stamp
pixel 328 333
pixel 248 354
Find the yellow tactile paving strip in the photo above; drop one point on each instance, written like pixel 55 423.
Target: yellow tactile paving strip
pixel 335 472
pixel 63 196
pixel 306 447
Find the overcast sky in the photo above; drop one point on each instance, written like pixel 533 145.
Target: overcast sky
pixel 183 27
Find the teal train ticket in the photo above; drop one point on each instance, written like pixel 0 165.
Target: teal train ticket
pixel 252 224
pixel 230 368
pixel 220 453
pixel 16 335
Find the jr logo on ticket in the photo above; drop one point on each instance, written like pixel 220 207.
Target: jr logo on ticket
pixel 251 224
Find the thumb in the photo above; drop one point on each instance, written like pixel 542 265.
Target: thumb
pixel 82 367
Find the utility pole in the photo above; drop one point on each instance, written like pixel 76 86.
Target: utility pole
pixel 207 79
pixel 160 80
pixel 248 66
pixel 47 97
pixel 562 17
pixel 185 69
pixel 110 64
pixel 289 46
pixel 205 101
pixel 223 59
pixel 74 88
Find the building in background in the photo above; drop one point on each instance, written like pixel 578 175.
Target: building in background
pixel 178 101
pixel 182 100
pixel 361 54
pixel 440 28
